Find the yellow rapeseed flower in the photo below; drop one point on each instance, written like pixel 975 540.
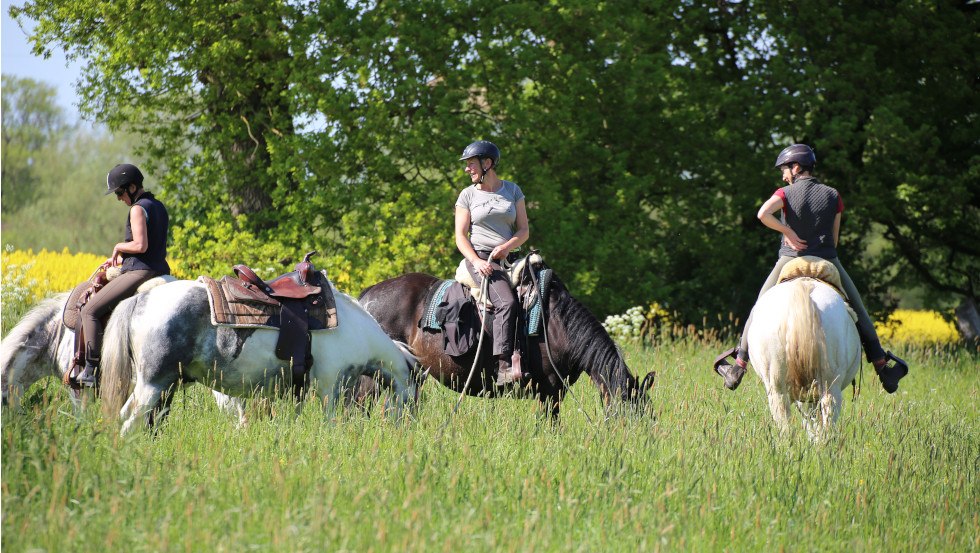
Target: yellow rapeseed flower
pixel 917 327
pixel 47 272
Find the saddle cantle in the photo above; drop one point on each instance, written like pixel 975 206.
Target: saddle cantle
pixel 812 267
pixel 295 304
pixel 809 266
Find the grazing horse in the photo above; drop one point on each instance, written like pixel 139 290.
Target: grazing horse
pixel 573 342
pixel 805 347
pixel 41 346
pixel 38 346
pixel 167 339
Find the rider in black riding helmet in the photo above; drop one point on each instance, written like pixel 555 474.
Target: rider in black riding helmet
pixel 810 225
pixel 491 222
pixel 141 256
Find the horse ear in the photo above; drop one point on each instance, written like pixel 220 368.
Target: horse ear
pixel 648 381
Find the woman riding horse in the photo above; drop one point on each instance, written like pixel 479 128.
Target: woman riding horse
pixel 141 255
pixel 491 222
pixel 810 225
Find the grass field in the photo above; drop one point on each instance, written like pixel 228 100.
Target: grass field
pixel 703 470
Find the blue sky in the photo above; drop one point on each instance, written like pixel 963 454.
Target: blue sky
pixel 16 59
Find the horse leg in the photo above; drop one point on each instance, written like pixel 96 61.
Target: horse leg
pixel 830 406
pixel 232 406
pixel 779 405
pixel 145 399
pixel 550 405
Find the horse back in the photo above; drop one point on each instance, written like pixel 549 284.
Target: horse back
pixel 397 303
pixel 802 334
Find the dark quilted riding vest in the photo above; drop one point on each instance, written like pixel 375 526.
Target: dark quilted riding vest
pixel 157 226
pixel 810 209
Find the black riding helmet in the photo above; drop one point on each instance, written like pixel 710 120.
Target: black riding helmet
pixel 797 153
pixel 121 175
pixel 482 149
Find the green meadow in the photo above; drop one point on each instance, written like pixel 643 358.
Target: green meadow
pixel 702 469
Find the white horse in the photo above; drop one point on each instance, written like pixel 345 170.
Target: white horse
pixel 40 346
pixel 166 337
pixel 804 345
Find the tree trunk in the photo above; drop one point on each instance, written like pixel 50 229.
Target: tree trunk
pixel 968 320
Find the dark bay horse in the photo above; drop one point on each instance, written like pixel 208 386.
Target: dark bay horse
pixel 573 342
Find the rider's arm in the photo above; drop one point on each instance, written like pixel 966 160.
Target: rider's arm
pixel 462 235
pixel 766 215
pixel 139 244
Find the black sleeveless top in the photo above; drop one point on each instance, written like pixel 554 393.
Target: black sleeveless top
pixel 809 208
pixel 157 226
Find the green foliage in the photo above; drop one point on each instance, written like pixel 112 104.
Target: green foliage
pixel 703 471
pixel 642 132
pixel 54 175
pixel 31 122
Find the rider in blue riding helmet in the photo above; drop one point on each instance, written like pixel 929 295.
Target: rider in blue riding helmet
pixel 491 222
pixel 810 225
pixel 141 256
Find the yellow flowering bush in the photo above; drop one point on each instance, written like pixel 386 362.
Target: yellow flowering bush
pixel 917 327
pixel 29 277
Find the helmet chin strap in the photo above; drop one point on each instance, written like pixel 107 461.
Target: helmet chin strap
pixel 483 172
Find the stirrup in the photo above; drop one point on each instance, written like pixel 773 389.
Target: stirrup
pixel 891 373
pixel 720 360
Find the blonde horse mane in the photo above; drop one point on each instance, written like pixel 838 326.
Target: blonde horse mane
pixel 806 343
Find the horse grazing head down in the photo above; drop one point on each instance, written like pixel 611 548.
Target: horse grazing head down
pixel 29 352
pixel 577 336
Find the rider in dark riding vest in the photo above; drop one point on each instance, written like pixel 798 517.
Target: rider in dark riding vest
pixel 810 225
pixel 141 256
pixel 491 222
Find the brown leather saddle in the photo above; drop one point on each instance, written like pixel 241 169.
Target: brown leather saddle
pixel 295 303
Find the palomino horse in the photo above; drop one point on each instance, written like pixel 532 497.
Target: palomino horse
pixel 40 346
pixel 804 345
pixel 166 337
pixel 574 342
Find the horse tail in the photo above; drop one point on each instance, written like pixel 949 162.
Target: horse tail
pixel 806 342
pixel 117 360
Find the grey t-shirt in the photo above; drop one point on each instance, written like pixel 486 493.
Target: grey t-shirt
pixel 493 215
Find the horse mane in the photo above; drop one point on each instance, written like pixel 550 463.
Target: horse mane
pixel 592 349
pixel 37 316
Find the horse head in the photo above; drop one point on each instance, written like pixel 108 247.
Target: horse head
pixel 581 339
pixel 29 352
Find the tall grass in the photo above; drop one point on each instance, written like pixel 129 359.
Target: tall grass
pixel 703 470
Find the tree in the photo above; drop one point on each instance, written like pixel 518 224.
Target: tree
pixel 642 132
pixel 32 120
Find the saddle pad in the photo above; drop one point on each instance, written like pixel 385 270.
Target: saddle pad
pixel 812 267
pixel 72 312
pixel 537 302
pixel 232 304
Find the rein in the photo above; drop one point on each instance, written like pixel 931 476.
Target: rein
pixel 484 294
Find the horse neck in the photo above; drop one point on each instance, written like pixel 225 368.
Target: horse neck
pixel 37 337
pixel 588 347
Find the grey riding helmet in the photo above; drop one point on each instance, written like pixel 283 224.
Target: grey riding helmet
pixel 121 175
pixel 481 149
pixel 797 153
